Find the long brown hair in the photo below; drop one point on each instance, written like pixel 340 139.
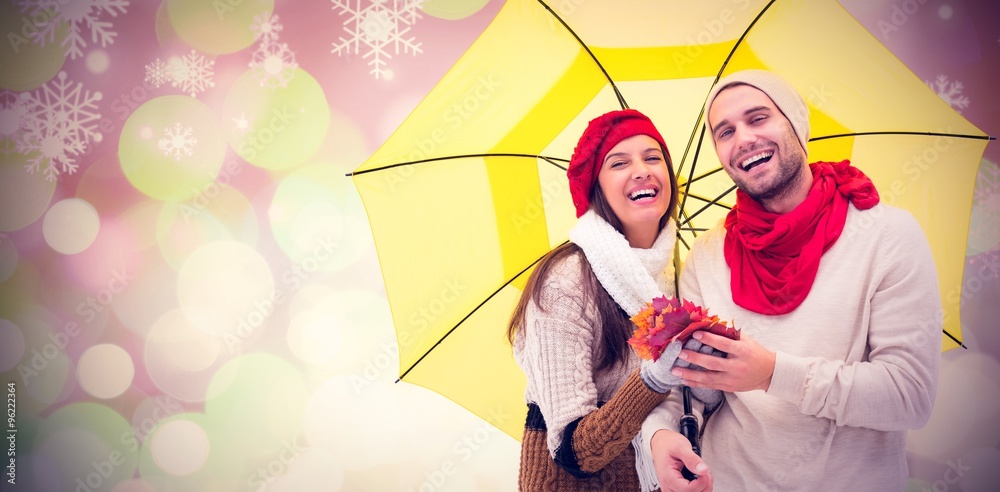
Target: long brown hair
pixel 616 328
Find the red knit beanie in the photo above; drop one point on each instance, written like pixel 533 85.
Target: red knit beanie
pixel 603 133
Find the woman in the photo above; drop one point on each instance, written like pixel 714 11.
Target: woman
pixel 587 391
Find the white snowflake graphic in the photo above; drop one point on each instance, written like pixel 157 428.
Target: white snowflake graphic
pixel 77 16
pixel 265 27
pixel 273 64
pixel 379 26
pixel 15 109
pixel 950 91
pixel 178 141
pixel 60 120
pixel 193 73
pixel 158 73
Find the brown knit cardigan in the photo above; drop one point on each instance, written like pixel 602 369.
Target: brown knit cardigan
pixel 597 453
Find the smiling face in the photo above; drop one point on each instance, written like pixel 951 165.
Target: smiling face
pixel 758 148
pixel 636 184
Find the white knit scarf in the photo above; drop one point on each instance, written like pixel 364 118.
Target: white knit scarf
pixel 633 277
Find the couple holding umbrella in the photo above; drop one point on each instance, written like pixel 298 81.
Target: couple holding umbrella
pixel 500 171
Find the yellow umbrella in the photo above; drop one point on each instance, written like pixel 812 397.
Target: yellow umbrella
pixel 470 191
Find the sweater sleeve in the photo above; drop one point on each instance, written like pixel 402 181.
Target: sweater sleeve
pixel 557 357
pixel 894 388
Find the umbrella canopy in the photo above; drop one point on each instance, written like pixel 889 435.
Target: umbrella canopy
pixel 470 191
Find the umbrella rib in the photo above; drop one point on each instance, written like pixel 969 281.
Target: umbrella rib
pixel 549 159
pixel 710 203
pixel 952 337
pixel 701 113
pixel 471 312
pixel 921 134
pixel 618 94
pixel 704 175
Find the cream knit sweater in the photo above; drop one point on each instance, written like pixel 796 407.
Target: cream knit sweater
pixel 857 364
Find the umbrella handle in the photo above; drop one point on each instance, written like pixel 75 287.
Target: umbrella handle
pixel 689 429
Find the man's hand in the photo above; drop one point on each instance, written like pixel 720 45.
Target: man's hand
pixel 671 453
pixel 747 366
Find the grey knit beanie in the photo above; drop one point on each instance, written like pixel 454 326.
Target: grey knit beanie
pixel 785 97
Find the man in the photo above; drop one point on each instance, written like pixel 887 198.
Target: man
pixel 837 298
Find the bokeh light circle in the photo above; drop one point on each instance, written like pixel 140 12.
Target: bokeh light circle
pixel 11 345
pixel 105 269
pixel 954 426
pixel 105 370
pixel 279 127
pixel 23 197
pixel 44 368
pixel 219 213
pixel 70 226
pixel 180 447
pixel 312 466
pixel 359 424
pixel 259 391
pixel 183 349
pixel 170 148
pixel 27 63
pixel 85 441
pixel 98 61
pixel 452 9
pixel 319 220
pixel 315 336
pixel 232 280
pixel 351 318
pixel 217 27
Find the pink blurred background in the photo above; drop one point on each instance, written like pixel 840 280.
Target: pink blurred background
pixel 115 391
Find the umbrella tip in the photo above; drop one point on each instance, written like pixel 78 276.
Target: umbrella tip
pixel 400 379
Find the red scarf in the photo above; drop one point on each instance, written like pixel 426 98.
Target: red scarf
pixel 774 258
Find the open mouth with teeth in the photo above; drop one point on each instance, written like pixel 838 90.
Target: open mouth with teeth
pixel 756 160
pixel 643 193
